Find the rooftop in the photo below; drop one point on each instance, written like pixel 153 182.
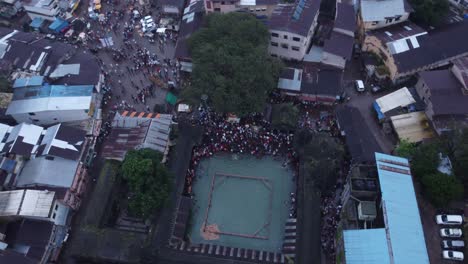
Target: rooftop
pixel 131 130
pixel 461 65
pixel 440 44
pixel 367 246
pixel 446 92
pixel 20 139
pixel 295 18
pixel 62 141
pixel 345 17
pixel 375 10
pixel 290 79
pixel 32 203
pixel 191 21
pixel 400 209
pixel 339 44
pixel 45 171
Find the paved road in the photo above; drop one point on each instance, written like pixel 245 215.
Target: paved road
pixel 363 102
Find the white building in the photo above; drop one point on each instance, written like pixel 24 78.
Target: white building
pixel 32 204
pixel 45 9
pixel 291 28
pixel 383 13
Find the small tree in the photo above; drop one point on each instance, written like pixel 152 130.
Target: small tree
pixel 148 179
pixel 441 188
pixel 405 149
pixel 285 116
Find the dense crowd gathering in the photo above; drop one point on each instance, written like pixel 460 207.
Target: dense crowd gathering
pixel 330 218
pixel 251 135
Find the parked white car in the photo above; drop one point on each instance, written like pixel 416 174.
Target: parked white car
pixel 453 255
pixel 359 84
pixel 445 219
pixel 451 232
pixel 449 244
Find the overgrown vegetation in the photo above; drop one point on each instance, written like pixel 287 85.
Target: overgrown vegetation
pixel 148 180
pixel 438 187
pixel 429 12
pixel 232 65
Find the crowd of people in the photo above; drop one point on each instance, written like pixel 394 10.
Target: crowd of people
pixel 330 212
pixel 251 135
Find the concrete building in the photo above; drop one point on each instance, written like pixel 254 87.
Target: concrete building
pixel 376 14
pixel 445 93
pixel 401 240
pixel 291 28
pixel 255 7
pixel 338 49
pixel 53 81
pixel 137 130
pixel 407 49
pixel 312 84
pixel 45 9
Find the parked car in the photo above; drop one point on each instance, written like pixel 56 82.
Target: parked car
pixel 453 255
pixel 445 219
pixel 359 84
pixel 448 244
pixel 450 232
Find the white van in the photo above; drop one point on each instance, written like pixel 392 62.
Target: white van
pixel 448 244
pixel 445 219
pixel 359 84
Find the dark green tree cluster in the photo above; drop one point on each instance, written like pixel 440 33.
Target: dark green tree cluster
pixel 284 116
pixel 231 64
pixel 321 156
pixel 440 188
pixel 429 12
pixel 148 179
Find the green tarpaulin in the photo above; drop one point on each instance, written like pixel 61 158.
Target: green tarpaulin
pixel 171 98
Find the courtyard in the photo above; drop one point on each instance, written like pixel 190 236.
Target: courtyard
pixel 242 201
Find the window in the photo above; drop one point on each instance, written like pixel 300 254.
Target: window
pixel 222 2
pixel 295 48
pixel 32 114
pixel 296 39
pixel 375 23
pixel 274 55
pixel 274 35
pixel 389 20
pixel 56 206
pixel 217 9
pixel 49 158
pixel 208 4
pixel 263 9
pixel 397 18
pixel 35 120
pixel 53 216
pixel 284 46
pixel 285 36
pixel 274 44
pixel 232 2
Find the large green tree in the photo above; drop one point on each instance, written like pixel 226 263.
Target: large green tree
pixel 429 12
pixel 441 188
pixel 231 64
pixel 148 179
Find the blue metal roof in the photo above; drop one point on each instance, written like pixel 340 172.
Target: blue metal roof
pixel 52 91
pixel 29 81
pixel 58 24
pixel 37 22
pixel 366 246
pixel 401 213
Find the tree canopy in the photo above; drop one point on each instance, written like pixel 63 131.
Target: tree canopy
pixel 429 12
pixel 231 64
pixel 284 116
pixel 148 180
pixel 442 188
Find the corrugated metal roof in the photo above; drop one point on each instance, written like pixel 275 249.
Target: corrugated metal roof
pixel 399 98
pixel 10 202
pixel 29 81
pixel 37 203
pixel 366 246
pixel 401 211
pixel 413 126
pixel 65 69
